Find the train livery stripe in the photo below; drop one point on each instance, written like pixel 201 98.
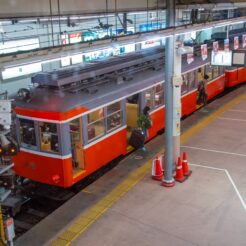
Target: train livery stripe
pixel 87 218
pixel 45 154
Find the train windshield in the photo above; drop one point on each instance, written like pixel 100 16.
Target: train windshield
pixel 49 137
pixel 27 133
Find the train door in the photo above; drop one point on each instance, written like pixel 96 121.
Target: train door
pixel 76 145
pixel 132 113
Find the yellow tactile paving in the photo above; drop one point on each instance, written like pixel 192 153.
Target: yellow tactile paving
pixel 68 235
pixel 87 218
pixel 76 228
pixel 60 242
pixel 83 220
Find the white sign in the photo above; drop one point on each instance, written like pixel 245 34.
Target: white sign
pixel 150 44
pixel 216 46
pixel 221 58
pixel 77 59
pixel 236 43
pixel 190 58
pixel 65 61
pixel 19 45
pixel 204 51
pixel 244 41
pixel 75 37
pixel 14 72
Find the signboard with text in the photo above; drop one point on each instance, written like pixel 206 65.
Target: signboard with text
pixel 221 58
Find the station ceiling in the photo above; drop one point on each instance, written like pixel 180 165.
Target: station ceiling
pixel 28 8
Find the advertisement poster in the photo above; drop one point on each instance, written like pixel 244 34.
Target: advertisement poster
pixel 204 51
pixel 216 46
pixel 75 37
pixel 190 58
pixel 226 45
pixel 244 41
pixel 236 43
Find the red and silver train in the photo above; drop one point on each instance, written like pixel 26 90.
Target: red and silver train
pixel 78 119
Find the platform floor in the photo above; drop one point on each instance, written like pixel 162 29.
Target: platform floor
pixel 126 207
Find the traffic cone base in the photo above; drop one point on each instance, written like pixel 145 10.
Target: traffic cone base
pixel 157 172
pixel 181 180
pixel 179 172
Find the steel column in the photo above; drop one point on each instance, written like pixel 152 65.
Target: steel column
pixel 168 180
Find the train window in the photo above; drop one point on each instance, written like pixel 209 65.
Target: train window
pixel 96 125
pixel 159 96
pixel 49 137
pixel 200 73
pixel 133 99
pixel 27 134
pixel 114 116
pixel 209 72
pixel 221 70
pixel 191 80
pixel 184 87
pixel 215 72
pixel 74 126
pixel 148 98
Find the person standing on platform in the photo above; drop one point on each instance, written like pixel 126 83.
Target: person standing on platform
pixel 144 122
pixel 202 91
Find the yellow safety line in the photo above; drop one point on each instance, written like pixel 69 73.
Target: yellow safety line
pixel 87 218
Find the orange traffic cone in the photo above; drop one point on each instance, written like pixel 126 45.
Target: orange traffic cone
pixel 185 167
pixel 157 172
pixel 179 172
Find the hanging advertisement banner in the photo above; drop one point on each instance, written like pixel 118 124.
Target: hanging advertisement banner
pixel 244 41
pixel 204 51
pixel 75 37
pixel 226 45
pixel 236 43
pixel 215 46
pixel 190 58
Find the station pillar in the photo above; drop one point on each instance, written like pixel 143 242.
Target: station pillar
pixel 168 180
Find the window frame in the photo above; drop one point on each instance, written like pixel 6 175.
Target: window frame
pixel 58 138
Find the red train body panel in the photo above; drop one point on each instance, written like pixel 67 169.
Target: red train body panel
pixel 44 169
pixel 215 87
pixel 235 77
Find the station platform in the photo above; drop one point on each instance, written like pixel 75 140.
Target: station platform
pixel 127 207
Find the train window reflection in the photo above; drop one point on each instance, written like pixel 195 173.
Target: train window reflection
pixel 215 72
pixel 159 95
pixel 209 72
pixel 149 94
pixel 96 125
pixel 192 80
pixel 49 137
pixel 27 134
pixel 184 87
pixel 114 116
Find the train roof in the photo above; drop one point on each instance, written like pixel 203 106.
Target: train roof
pixel 53 99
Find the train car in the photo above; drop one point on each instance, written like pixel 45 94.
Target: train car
pixel 77 120
pixel 235 76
